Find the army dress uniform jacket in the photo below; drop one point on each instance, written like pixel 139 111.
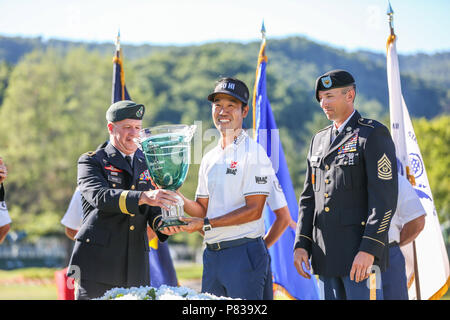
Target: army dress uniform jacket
pixel 111 246
pixel 349 196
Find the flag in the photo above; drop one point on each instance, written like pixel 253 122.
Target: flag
pixel 432 265
pixel 286 280
pixel 119 90
pixel 162 270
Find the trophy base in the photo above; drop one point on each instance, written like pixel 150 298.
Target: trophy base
pixel 171 223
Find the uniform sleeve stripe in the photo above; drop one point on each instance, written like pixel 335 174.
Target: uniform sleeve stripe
pixel 302 235
pixel 154 220
pixel 373 239
pixel 123 202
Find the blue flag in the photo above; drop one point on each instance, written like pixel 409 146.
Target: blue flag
pixel 162 270
pixel 286 280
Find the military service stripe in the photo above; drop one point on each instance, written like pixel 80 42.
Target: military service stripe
pixel 381 230
pixel 123 202
pixel 384 223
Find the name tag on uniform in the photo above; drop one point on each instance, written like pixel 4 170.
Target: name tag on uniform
pixel 114 179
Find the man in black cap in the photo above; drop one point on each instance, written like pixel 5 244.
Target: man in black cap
pixel 349 197
pixel 111 247
pixel 233 182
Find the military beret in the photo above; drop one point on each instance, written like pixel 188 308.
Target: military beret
pixel 232 87
pixel 333 79
pixel 125 109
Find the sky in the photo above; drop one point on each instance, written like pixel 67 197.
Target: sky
pixel 420 25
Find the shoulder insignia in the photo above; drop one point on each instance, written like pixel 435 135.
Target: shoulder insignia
pixel 91 153
pixel 384 168
pixel 366 122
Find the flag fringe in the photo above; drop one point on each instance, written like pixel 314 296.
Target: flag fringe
pixel 438 295
pixel 390 40
pixel 280 293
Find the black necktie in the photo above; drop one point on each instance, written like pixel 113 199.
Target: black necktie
pixel 336 133
pixel 128 158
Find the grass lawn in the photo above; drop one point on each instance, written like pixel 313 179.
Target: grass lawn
pixel 28 292
pixel 39 283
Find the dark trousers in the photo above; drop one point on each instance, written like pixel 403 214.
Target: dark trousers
pixel 236 272
pixel 87 289
pixel 394 278
pixel 342 288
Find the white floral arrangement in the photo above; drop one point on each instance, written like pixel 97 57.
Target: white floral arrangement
pixel 164 292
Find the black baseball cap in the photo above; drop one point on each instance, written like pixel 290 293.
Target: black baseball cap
pixel 333 79
pixel 232 87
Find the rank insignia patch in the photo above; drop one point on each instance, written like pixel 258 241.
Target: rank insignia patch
pixel 384 168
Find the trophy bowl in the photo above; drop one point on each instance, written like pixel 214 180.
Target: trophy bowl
pixel 167 153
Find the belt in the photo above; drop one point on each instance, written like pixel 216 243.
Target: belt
pixel 228 244
pixel 393 244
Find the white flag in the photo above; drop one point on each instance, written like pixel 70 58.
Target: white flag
pixel 431 254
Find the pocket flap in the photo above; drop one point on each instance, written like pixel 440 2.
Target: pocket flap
pixel 351 217
pixel 93 235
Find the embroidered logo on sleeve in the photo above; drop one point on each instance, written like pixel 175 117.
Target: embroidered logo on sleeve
pixel 384 168
pixel 261 180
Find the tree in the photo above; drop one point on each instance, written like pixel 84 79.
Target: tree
pixel 55 107
pixel 434 141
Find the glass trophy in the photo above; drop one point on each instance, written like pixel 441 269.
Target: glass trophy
pixel 167 152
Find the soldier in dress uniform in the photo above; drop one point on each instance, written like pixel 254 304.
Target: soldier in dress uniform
pixel 111 247
pixel 349 196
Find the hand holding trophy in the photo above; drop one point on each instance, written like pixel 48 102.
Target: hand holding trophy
pixel 167 153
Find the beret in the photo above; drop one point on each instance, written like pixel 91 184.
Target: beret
pixel 125 109
pixel 333 79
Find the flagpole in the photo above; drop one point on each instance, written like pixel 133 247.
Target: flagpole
pixel 410 178
pixel 261 56
pixel 118 59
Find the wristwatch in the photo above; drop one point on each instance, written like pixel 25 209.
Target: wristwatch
pixel 206 225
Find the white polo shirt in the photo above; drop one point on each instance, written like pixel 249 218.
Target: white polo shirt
pixel 73 217
pixel 408 208
pixel 226 177
pixel 4 214
pixel 276 200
